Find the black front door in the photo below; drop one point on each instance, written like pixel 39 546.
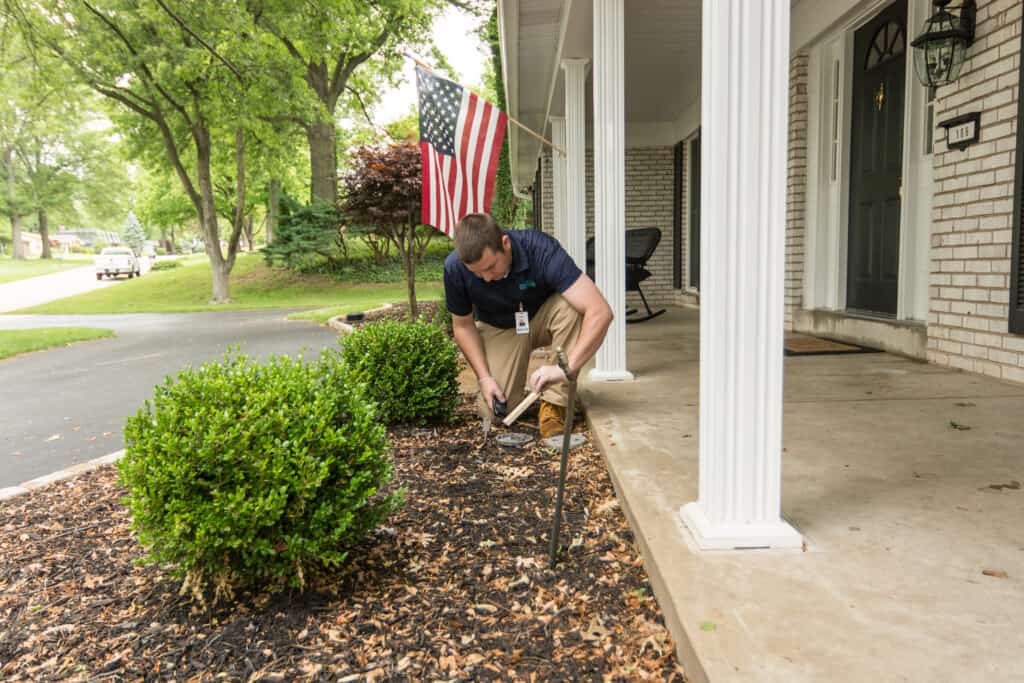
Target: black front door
pixel 876 164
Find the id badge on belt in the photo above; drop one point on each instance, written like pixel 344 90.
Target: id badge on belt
pixel 522 321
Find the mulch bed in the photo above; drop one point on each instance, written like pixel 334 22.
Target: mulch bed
pixel 456 587
pixel 400 311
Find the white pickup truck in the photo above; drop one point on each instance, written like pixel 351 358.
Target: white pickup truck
pixel 114 261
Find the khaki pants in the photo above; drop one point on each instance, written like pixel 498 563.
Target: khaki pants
pixel 508 354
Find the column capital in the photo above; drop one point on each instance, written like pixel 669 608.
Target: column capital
pixel 575 63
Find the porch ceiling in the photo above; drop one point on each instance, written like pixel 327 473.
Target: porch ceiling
pixel 662 64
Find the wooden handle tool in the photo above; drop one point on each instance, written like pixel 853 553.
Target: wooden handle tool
pixel 520 409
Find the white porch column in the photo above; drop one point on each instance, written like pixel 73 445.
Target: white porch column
pixel 575 168
pixel 558 181
pixel 610 183
pixel 745 76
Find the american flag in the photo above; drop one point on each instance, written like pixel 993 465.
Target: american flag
pixel 460 141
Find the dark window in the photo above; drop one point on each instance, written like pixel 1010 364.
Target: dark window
pixel 677 216
pixel 1017 264
pixel 888 43
pixel 538 191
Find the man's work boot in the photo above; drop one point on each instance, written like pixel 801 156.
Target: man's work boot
pixel 552 419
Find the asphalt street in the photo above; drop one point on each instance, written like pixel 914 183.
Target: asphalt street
pixel 67 405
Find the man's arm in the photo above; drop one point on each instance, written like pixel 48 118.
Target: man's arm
pixel 468 339
pixel 587 299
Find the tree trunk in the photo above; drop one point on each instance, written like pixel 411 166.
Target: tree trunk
pixel 410 277
pixel 248 234
pixel 220 273
pixel 170 244
pixel 323 162
pixel 44 233
pixel 273 208
pixel 219 268
pixel 17 248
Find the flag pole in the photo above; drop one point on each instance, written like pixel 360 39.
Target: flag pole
pixel 510 119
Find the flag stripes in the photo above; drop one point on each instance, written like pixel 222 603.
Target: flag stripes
pixel 461 136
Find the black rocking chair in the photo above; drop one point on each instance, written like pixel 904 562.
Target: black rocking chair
pixel 640 246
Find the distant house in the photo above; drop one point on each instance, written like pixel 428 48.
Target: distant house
pixel 31 244
pixel 92 238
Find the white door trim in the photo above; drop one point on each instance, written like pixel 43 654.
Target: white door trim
pixel 827 205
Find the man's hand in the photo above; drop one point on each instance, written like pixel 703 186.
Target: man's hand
pixel 545 376
pixel 489 390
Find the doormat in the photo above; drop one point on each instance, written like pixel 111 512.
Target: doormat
pixel 817 346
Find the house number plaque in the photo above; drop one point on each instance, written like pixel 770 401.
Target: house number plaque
pixel 962 131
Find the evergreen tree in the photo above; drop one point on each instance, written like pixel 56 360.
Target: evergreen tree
pixel 134 234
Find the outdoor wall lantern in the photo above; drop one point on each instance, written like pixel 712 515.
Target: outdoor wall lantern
pixel 940 50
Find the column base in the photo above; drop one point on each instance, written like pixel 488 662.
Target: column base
pixel 709 536
pixel 610 376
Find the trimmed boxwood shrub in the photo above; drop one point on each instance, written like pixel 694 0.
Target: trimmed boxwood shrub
pixel 242 473
pixel 410 369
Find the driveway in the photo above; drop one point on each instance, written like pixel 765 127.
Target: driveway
pixel 40 290
pixel 68 405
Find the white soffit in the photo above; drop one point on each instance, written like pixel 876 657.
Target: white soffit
pixel 662 64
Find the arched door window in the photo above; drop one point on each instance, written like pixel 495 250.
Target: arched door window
pixel 889 42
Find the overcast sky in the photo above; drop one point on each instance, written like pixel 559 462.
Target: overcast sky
pixel 455 33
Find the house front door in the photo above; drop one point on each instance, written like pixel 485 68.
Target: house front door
pixel 876 164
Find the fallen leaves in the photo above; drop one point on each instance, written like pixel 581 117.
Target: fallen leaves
pixel 457 586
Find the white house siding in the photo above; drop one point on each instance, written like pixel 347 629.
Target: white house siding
pixel 972 214
pixel 648 204
pixel 796 186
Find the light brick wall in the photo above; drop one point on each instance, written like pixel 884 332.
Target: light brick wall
pixel 648 204
pixel 796 188
pixel 971 219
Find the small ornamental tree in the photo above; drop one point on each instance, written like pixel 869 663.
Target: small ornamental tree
pixel 383 190
pixel 134 234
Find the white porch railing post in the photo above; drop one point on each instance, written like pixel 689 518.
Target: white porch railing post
pixel 610 183
pixel 745 83
pixel 576 150
pixel 559 210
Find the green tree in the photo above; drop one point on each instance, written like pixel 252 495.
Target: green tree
pixel 134 234
pixel 342 50
pixel 504 203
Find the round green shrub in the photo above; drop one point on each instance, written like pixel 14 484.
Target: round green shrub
pixel 242 473
pixel 410 369
pixel 165 265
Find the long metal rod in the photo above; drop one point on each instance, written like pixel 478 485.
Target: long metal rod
pixel 570 411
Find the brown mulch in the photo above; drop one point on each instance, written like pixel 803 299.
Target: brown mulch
pixel 400 311
pixel 455 587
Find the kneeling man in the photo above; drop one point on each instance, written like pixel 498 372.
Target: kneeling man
pixel 526 293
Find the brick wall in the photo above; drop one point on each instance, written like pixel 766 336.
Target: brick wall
pixel 971 231
pixel 648 204
pixel 796 187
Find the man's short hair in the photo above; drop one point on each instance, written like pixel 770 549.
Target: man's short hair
pixel 474 233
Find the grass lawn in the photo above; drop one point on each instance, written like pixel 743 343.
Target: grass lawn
pixel 253 285
pixel 13 342
pixel 11 270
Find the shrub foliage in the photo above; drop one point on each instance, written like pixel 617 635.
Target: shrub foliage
pixel 244 473
pixel 410 369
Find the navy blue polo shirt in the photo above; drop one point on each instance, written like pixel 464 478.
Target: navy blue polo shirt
pixel 540 267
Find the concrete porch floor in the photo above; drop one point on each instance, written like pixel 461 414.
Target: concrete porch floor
pixel 896 507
